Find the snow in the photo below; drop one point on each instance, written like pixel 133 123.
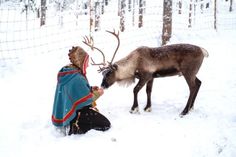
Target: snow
pixel 209 130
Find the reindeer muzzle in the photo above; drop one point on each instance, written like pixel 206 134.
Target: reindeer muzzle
pixel 104 85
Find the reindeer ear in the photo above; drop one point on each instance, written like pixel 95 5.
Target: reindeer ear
pixel 114 66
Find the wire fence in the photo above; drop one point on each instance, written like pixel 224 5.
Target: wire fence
pixel 22 33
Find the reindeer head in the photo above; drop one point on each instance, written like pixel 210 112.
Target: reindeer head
pixel 108 69
pixel 109 76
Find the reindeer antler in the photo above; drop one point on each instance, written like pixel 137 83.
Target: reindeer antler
pixel 90 43
pixel 118 44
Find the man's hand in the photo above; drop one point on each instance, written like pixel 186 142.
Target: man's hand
pixel 100 91
pixel 97 89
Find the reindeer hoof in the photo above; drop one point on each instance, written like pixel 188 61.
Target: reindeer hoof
pixel 135 111
pixel 149 109
pixel 183 113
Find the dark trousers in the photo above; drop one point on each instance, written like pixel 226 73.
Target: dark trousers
pixel 88 119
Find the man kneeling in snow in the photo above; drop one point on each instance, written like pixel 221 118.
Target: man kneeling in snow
pixel 74 108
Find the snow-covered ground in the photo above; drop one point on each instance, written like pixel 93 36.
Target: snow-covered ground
pixel 209 130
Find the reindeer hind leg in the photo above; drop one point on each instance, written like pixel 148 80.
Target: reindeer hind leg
pixel 148 91
pixel 197 85
pixel 194 84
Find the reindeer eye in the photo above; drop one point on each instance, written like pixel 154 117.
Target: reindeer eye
pixel 106 72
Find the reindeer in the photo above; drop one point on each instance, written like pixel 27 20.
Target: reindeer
pixel 146 63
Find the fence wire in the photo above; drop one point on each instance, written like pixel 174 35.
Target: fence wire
pixel 21 34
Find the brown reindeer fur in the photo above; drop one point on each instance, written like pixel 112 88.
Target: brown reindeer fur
pixel 147 63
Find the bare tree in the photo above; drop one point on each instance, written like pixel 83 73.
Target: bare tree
pixel 202 6
pixel 140 17
pixel 43 13
pixel 231 6
pixel 122 15
pixel 106 2
pixel 97 16
pixel 167 21
pixel 61 6
pixel 190 14
pixel 28 5
pixel 129 5
pixel 215 18
pixel 91 19
pixel 133 14
pixel 103 7
pixel 180 6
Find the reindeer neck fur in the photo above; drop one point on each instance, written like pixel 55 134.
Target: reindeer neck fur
pixel 126 69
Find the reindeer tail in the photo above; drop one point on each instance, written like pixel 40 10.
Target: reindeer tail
pixel 205 53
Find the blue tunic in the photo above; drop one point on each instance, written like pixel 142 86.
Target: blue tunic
pixel 72 93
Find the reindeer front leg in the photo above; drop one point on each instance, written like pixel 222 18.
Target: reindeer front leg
pixel 137 88
pixel 143 78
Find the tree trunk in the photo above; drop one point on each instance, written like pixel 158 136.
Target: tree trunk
pixel 129 5
pixel 167 21
pixel 91 19
pixel 190 14
pixel 97 16
pixel 215 18
pixel 43 13
pixel 180 6
pixel 202 6
pixel 231 6
pixel 140 17
pixel 133 14
pixel 103 7
pixel 106 2
pixel 119 8
pixel 122 16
